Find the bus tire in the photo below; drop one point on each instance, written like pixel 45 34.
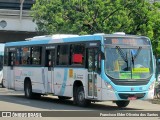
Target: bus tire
pixel 122 103
pixel 80 97
pixel 28 90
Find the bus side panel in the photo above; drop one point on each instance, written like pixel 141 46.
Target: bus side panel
pixel 64 79
pixel 35 74
pixel 99 87
pixel 5 74
pixel 48 80
pixel 8 77
pixel 60 78
pixel 19 79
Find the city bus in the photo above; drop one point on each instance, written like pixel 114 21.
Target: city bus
pixel 88 68
pixel 1 63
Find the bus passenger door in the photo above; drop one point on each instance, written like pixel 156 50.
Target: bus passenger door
pixel 92 72
pixel 10 77
pixel 50 62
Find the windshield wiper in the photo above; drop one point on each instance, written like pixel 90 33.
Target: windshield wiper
pixel 124 57
pixel 135 56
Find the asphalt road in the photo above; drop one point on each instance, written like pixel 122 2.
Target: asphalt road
pixel 15 101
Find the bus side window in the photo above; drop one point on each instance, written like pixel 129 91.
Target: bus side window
pixel 25 58
pixel 77 54
pixel 36 55
pixel 63 55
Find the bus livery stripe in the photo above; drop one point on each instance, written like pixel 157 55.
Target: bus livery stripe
pixel 64 81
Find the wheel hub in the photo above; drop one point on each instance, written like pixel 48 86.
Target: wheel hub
pixel 81 96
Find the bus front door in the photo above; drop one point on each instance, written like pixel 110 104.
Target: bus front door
pixel 92 72
pixel 10 76
pixel 50 62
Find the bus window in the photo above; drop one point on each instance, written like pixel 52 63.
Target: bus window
pixel 77 54
pixel 36 56
pixel 62 55
pixel 26 55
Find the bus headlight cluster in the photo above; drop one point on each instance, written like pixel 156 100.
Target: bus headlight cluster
pixel 151 87
pixel 109 86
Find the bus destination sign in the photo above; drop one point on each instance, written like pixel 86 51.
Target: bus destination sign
pixel 127 41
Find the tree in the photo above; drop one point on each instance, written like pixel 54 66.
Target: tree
pixel 98 16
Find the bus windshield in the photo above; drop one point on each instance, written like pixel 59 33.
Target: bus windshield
pixel 128 63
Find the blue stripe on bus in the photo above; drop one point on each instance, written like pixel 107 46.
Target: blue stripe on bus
pixel 83 38
pixel 48 39
pixel 32 42
pixel 64 82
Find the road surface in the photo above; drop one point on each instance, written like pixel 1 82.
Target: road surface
pixel 15 101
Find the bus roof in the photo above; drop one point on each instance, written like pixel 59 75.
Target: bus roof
pixel 54 39
pixel 63 38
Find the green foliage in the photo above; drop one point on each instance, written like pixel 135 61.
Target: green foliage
pixel 98 16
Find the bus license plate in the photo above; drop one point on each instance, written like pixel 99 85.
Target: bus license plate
pixel 132 98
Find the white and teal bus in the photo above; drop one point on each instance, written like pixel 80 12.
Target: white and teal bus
pixel 1 63
pixel 87 68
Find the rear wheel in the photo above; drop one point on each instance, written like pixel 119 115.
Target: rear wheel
pixel 28 90
pixel 122 103
pixel 80 97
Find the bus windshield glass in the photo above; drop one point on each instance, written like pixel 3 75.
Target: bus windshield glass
pixel 128 62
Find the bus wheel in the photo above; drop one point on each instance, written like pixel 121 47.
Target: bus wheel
pixel 28 90
pixel 122 103
pixel 64 98
pixel 80 97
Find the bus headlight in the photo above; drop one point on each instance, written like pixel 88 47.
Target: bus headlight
pixel 109 86
pixel 151 87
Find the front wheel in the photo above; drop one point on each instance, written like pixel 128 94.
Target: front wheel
pixel 122 103
pixel 28 91
pixel 80 97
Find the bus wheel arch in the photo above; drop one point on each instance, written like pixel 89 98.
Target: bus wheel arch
pixel 79 94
